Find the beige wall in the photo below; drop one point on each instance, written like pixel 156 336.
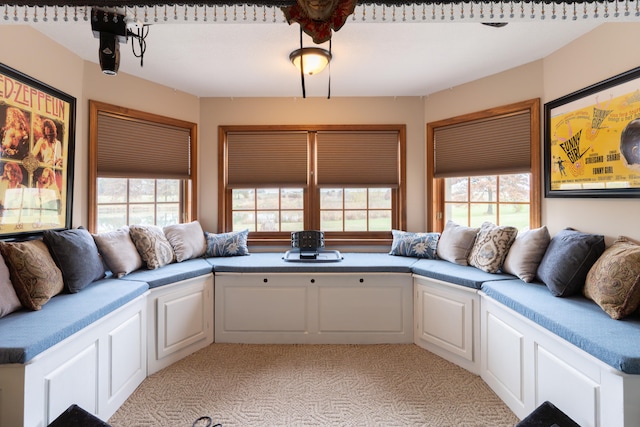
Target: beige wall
pixel 600 54
pixel 41 58
pixel 288 111
pixel 34 56
pixel 125 91
pixel 603 53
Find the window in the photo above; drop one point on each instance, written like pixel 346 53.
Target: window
pixel 151 181
pixel 485 166
pixel 500 199
pixel 123 201
pixel 347 181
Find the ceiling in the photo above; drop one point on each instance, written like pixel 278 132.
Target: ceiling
pixel 246 58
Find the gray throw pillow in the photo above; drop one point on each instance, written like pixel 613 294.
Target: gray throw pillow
pixel 118 251
pixel 187 240
pixel 9 301
pixel 456 242
pixel 76 255
pixel 526 252
pixel 567 261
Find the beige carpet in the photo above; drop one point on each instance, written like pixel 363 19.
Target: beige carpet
pixel 314 385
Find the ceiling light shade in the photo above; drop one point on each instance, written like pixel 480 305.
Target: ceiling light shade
pixel 315 59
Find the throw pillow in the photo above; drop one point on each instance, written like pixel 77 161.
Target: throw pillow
pixel 76 255
pixel 34 274
pixel 227 244
pixel 566 263
pixel 420 245
pixel 526 252
pixel 614 279
pixel 9 301
pixel 187 240
pixel 118 251
pixel 456 242
pixel 491 246
pixel 152 245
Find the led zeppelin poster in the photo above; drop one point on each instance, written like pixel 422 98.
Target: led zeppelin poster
pixel 36 156
pixel 592 140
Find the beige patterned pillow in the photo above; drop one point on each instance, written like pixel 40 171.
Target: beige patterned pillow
pixel 34 274
pixel 491 246
pixel 613 281
pixel 187 240
pixel 456 242
pixel 152 245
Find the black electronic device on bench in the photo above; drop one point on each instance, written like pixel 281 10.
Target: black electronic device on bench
pixel 308 241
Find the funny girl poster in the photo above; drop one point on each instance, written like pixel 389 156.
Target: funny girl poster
pixel 593 140
pixel 36 136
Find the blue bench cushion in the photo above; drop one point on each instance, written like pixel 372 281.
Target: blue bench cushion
pixel 172 273
pixel 576 319
pixel 351 262
pixel 463 275
pixel 25 334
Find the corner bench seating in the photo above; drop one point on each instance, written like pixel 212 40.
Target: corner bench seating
pixel 93 348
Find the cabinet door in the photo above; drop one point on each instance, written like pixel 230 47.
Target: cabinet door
pixel 180 320
pixel 360 305
pixel 314 308
pixel 261 308
pixel 446 317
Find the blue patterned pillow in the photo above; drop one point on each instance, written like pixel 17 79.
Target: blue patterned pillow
pixel 420 245
pixel 227 244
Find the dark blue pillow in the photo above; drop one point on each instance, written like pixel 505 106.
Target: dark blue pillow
pixel 567 261
pixel 76 255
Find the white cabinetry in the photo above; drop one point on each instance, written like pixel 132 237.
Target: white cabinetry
pixel 180 320
pixel 326 308
pixel 96 368
pixel 526 365
pixel 447 321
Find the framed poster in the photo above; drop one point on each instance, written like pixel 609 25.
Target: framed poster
pixel 592 140
pixel 37 134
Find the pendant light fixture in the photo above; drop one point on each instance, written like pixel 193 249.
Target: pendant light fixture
pixel 310 61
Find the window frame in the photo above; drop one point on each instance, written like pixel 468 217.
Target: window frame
pixel 190 187
pixel 312 192
pixel 435 186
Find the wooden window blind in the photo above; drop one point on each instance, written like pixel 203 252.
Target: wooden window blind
pixel 267 159
pixel 136 148
pixel 495 146
pixel 353 158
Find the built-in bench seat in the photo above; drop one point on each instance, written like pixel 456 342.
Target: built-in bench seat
pixel 269 262
pixel 458 308
pixel 172 273
pixel 575 319
pixel 25 334
pixel 463 275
